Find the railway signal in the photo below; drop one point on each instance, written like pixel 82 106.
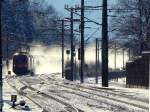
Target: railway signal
pixel 13 100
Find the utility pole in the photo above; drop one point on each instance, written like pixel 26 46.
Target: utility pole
pixel 123 57
pixel 98 49
pixel 72 20
pixel 129 54
pixel 115 57
pixel 1 79
pixel 104 45
pixel 141 26
pixel 82 42
pixel 72 47
pixel 96 63
pixel 7 55
pixel 62 48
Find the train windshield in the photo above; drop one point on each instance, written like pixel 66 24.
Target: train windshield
pixel 20 59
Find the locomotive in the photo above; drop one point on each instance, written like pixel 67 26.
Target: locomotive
pixel 23 63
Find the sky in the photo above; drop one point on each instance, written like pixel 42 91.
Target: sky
pixel 94 15
pixel 59 4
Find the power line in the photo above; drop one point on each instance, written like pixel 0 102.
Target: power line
pixel 92 34
pixel 89 20
pixel 23 43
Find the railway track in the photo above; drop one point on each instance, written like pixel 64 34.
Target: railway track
pixel 66 104
pixel 107 96
pixel 118 92
pixel 81 91
pixel 112 91
pixel 18 92
pixel 121 93
pixel 68 107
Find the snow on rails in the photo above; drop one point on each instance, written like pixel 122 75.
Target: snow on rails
pixel 61 94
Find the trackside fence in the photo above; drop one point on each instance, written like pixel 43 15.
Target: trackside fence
pixel 138 71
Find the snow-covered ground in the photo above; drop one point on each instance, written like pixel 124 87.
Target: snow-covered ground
pixel 120 84
pixel 55 94
pixel 51 93
pixel 7 107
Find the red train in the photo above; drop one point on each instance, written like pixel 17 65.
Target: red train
pixel 23 63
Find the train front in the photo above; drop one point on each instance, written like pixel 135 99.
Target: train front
pixel 21 64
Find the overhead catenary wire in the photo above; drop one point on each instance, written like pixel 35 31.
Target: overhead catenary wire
pixel 23 43
pixel 89 37
pixel 89 20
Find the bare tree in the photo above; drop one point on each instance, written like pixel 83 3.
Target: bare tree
pixel 133 23
pixel 45 19
pixel 23 20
